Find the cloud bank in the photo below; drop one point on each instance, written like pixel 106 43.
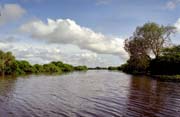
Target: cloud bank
pixel 45 53
pixel 67 31
pixel 10 12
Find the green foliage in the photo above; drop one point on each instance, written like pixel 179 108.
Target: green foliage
pixel 67 68
pixel 25 66
pixel 38 68
pixel 155 36
pixel 174 78
pixel 114 68
pixel 168 63
pixel 63 67
pixel 51 68
pixel 80 68
pixel 150 38
pixel 98 68
pixel 171 51
pixel 10 66
pixel 7 63
pixel 136 66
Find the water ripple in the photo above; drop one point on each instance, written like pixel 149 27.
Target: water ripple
pixel 88 94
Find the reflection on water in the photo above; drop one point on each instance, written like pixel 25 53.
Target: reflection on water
pixel 88 94
pixel 149 97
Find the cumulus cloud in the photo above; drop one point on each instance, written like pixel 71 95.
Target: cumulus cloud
pixel 66 31
pixel 10 12
pixel 172 4
pixel 44 53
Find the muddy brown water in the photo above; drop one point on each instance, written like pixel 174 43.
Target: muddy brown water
pixel 88 94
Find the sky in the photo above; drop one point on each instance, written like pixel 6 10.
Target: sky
pixel 79 32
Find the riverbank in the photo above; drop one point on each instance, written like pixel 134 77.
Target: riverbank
pixel 168 78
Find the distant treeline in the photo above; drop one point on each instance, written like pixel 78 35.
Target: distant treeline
pixel 106 68
pixel 97 68
pixel 10 66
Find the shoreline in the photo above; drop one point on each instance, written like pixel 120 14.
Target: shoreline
pixel 166 78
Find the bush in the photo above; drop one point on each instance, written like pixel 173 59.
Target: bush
pixel 113 68
pixel 80 68
pixel 51 68
pixel 169 65
pixel 38 68
pixel 25 66
pixel 136 66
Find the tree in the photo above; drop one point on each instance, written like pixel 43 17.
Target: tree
pixel 51 68
pixel 151 37
pixel 10 66
pixel 171 51
pixel 137 49
pixel 38 68
pixel 25 66
pixel 155 36
pixel 168 63
pixel 63 67
pixel 6 62
pixel 80 68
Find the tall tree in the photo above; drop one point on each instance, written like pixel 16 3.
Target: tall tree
pixel 156 36
pixel 136 47
pixel 151 37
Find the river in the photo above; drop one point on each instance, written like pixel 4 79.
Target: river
pixel 88 94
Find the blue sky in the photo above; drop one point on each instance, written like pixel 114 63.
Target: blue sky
pixel 117 17
pixel 111 18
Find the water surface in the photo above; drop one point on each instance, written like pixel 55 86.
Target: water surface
pixel 88 94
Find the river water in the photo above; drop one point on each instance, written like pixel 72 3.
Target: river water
pixel 88 94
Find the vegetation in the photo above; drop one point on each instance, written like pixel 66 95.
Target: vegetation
pixel 149 53
pixel 146 41
pixel 168 63
pixel 10 66
pixel 167 77
pixel 7 63
pixel 114 68
pixel 80 68
pixel 98 68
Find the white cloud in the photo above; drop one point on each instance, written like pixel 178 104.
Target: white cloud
pixel 68 32
pixel 172 4
pixel 10 12
pixel 177 25
pixel 44 53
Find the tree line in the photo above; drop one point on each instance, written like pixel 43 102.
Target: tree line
pixel 10 66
